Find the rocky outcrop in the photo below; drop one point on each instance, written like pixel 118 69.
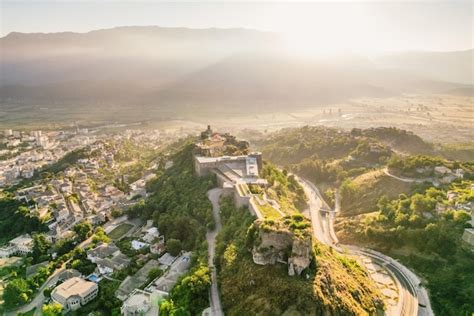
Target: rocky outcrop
pixel 282 241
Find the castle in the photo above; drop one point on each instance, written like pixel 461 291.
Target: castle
pixel 234 173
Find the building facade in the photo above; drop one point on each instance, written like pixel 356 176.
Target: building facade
pixel 74 293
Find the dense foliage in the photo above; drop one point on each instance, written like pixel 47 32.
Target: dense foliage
pixel 336 284
pixel 106 302
pixel 412 220
pixel 292 145
pixel 190 296
pixel 423 166
pixel 16 219
pixel 283 188
pixel 178 204
pixel 323 154
pixel 431 242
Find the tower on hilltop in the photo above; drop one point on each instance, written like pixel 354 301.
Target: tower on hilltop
pixel 207 133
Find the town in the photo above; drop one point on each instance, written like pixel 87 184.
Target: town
pixel 78 184
pixel 100 224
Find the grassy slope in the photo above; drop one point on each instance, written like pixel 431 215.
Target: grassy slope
pixel 463 152
pixel 371 186
pixel 335 285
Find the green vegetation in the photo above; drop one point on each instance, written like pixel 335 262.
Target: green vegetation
pixel 458 151
pixel 120 230
pixel 16 218
pixel 154 273
pixel 423 166
pixel 41 245
pixel 53 309
pixel 400 219
pixel 100 236
pixel 63 163
pixel 409 228
pixel 28 313
pixel 106 303
pixel 80 262
pixel 174 246
pixel 190 296
pixel 284 189
pixel 323 154
pixel 292 145
pixel 20 289
pixel 269 211
pixel 401 140
pixel 83 230
pixel 297 224
pixel 179 205
pixel 336 284
pixel 16 292
pixel 361 194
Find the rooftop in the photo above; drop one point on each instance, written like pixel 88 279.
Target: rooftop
pixel 21 240
pixel 74 286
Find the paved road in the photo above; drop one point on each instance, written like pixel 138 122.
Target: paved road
pixel 413 297
pixel 38 300
pixel 216 306
pixel 315 204
pixel 53 278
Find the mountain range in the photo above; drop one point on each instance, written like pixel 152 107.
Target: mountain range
pixel 196 69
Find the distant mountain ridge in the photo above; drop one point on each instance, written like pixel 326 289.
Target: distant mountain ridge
pixel 455 66
pixel 192 69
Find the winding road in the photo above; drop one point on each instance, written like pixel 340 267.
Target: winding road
pixel 413 298
pixel 214 298
pixel 405 179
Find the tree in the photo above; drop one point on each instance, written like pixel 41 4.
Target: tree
pixel 116 212
pixel 100 236
pixel 420 203
pixel 16 292
pixel 54 309
pixel 348 190
pixel 83 230
pixel 174 246
pixel 41 246
pixel 167 307
pixel 190 295
pixel 154 273
pixel 47 292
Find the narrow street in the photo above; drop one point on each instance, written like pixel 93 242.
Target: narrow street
pixel 214 298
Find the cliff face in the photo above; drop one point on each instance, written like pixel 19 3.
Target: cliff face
pixel 331 285
pixel 284 242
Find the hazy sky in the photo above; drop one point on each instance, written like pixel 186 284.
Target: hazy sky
pixel 330 25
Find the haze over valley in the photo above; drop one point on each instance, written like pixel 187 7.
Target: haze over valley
pixel 236 158
pixel 131 74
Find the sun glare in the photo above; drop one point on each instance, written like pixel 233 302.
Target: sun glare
pixel 324 31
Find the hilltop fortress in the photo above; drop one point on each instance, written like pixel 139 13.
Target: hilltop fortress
pixel 234 167
pixel 238 172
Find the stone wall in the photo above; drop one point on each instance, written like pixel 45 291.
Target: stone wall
pixel 278 244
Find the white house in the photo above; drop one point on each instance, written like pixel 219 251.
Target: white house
pixel 151 234
pixel 137 245
pixel 74 293
pixel 108 258
pixel 140 303
pixel 21 245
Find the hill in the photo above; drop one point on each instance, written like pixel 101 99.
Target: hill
pixel 333 285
